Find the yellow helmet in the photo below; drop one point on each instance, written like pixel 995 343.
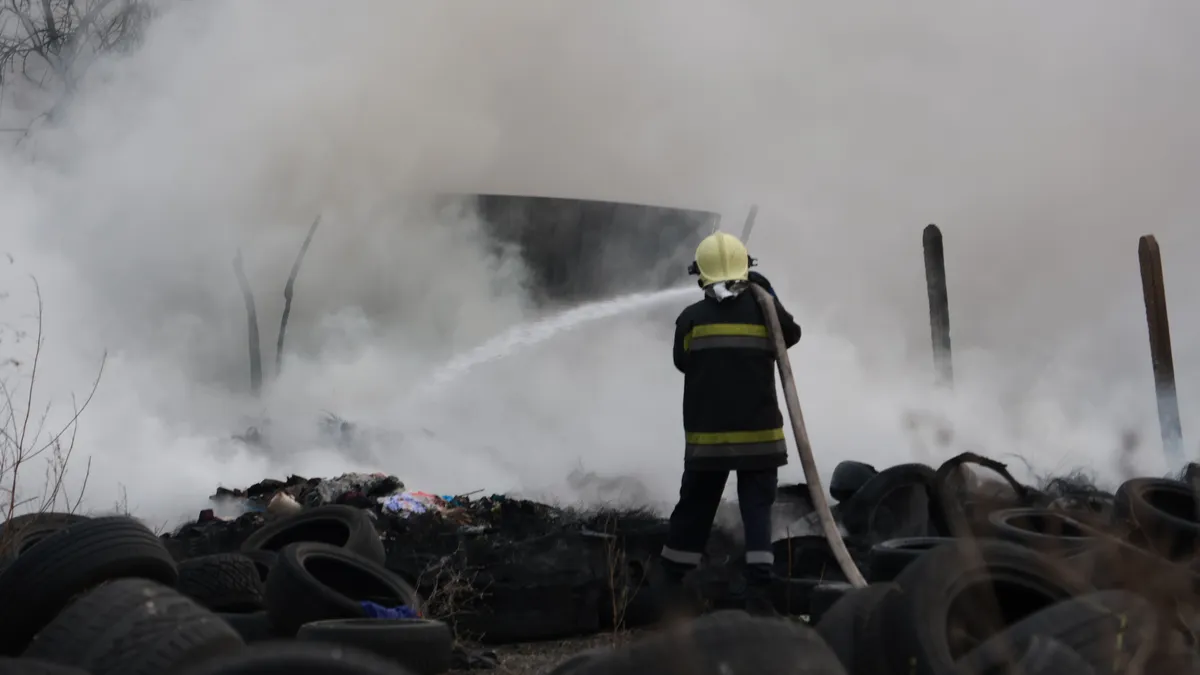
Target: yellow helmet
pixel 721 257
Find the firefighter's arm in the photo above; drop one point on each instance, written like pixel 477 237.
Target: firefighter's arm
pixel 791 329
pixel 679 353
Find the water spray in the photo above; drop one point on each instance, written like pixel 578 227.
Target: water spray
pixel 527 335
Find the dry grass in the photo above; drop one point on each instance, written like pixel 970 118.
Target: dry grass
pixel 621 589
pixel 538 657
pixel 452 589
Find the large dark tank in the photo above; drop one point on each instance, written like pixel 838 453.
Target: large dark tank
pixel 579 249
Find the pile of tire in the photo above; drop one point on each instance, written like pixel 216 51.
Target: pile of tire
pixel 104 596
pixel 1029 584
pixel 1023 590
pixel 498 570
pixel 721 643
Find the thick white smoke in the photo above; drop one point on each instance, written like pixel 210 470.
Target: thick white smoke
pixel 1042 138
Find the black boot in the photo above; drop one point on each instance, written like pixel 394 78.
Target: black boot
pixel 759 601
pixel 678 601
pixel 759 598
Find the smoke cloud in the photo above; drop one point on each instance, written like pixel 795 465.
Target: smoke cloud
pixel 1043 139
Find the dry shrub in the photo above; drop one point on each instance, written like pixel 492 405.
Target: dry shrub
pixel 449 589
pixel 27 439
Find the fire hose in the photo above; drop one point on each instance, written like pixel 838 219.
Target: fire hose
pixel 803 446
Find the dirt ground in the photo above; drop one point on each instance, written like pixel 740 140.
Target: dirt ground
pixel 532 658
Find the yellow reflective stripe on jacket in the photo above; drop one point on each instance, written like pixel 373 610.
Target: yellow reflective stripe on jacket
pixel 740 437
pixel 743 329
pixel 693 451
pixel 727 330
pixel 732 342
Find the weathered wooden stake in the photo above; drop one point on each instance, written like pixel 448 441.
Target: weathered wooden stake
pixel 252 321
pixel 939 304
pixel 1155 296
pixel 750 218
pixel 288 289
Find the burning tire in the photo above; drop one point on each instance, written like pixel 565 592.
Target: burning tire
pixel 888 559
pixel 420 645
pixel 1164 513
pixel 722 642
pixel 849 628
pixel 133 627
pixel 72 561
pixel 342 526
pixel 314 582
pixel 1103 629
pixel 254 627
pixel 824 596
pixel 894 503
pixel 1042 656
pixel 19 534
pixel 264 562
pixel 227 582
pixel 955 597
pixel 1042 530
pixel 801 564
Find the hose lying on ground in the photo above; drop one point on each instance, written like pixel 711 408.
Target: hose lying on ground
pixel 815 490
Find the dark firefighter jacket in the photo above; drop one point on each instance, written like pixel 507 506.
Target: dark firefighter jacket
pixel 731 416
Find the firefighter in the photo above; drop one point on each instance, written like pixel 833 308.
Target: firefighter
pixel 731 417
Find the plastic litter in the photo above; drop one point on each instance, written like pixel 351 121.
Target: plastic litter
pixel 356 489
pixel 377 611
pixel 351 487
pixel 413 502
pixel 283 504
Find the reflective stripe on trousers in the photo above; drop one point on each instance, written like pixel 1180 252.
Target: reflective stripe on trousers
pixel 760 558
pixel 728 336
pixel 682 557
pixel 692 519
pixel 694 559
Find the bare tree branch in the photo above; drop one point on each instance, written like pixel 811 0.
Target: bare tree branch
pixel 51 44
pixel 252 319
pixel 287 295
pixel 37 354
pixel 21 441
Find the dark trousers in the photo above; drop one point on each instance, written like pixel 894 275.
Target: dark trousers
pixel 692 520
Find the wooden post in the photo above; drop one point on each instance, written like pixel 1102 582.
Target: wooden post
pixel 252 321
pixel 1155 297
pixel 939 304
pixel 750 218
pixel 288 290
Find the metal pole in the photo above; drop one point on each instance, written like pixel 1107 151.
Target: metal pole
pixel 1155 297
pixel 939 304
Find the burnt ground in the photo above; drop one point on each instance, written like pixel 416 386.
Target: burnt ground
pixel 532 658
pixel 535 658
